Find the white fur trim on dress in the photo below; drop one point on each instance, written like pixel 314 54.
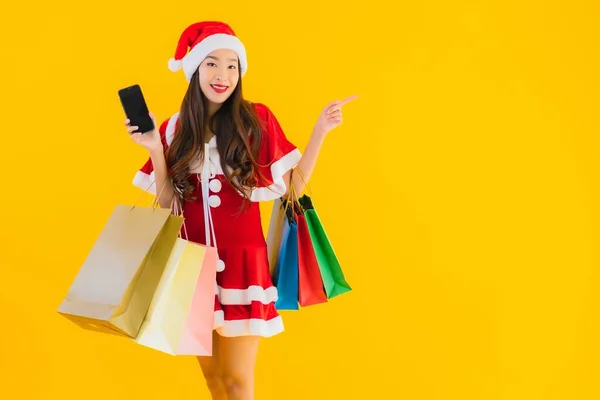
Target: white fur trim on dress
pixel 194 58
pixel 278 169
pixel 170 130
pixel 247 296
pixel 145 182
pixel 247 327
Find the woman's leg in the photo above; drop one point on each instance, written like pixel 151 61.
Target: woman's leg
pixel 237 358
pixel 211 368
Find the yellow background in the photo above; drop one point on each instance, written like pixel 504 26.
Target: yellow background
pixel 461 192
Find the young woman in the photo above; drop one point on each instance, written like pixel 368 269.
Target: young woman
pixel 248 159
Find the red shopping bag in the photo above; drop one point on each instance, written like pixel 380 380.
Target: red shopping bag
pixel 311 290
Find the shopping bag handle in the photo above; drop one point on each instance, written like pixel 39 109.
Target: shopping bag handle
pixel 178 210
pixel 306 183
pixel 292 188
pixel 154 203
pixel 292 198
pixel 209 227
pixel 208 222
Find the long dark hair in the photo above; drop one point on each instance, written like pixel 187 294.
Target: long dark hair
pixel 239 133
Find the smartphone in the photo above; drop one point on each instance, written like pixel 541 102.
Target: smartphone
pixel 136 109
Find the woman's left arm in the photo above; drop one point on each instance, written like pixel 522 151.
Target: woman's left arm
pixel 330 118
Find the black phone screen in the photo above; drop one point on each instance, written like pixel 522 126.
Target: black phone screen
pixel 136 109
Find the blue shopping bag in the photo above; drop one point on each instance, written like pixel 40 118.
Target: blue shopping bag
pixel 286 272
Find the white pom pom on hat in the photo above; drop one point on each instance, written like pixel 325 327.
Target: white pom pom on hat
pixel 175 65
pixel 201 39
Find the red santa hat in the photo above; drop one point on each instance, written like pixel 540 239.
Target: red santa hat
pixel 201 39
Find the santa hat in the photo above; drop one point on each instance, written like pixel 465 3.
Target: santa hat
pixel 202 38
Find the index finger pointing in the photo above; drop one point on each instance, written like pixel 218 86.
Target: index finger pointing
pixel 348 100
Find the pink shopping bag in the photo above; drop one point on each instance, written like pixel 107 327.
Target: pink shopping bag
pixel 197 338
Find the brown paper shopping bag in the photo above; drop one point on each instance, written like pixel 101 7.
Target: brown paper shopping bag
pixel 115 285
pixel 274 234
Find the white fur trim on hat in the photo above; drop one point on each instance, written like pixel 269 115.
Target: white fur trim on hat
pixel 194 58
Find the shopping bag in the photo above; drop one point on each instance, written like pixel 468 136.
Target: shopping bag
pixel 180 318
pixel 286 271
pixel 116 283
pixel 333 277
pixel 275 234
pixel 310 290
pixel 198 338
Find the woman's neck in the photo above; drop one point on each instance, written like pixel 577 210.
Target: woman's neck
pixel 212 108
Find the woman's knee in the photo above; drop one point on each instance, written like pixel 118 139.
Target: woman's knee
pixel 214 382
pixel 237 386
pixel 212 373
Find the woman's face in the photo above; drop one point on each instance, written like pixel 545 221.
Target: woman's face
pixel 219 75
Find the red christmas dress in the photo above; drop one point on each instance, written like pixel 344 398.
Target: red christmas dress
pixel 246 295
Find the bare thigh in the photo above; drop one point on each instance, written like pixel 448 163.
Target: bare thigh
pixel 237 359
pixel 210 364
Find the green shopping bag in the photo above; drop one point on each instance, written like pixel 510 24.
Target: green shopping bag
pixel 333 277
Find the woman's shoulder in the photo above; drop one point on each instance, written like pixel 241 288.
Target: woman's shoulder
pixel 168 127
pixel 261 110
pixel 267 118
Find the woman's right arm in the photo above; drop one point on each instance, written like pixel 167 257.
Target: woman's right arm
pixel 153 143
pixel 164 189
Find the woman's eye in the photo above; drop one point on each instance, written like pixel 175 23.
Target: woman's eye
pixel 211 64
pixel 232 66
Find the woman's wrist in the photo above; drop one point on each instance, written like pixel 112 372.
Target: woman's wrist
pixel 319 134
pixel 156 151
